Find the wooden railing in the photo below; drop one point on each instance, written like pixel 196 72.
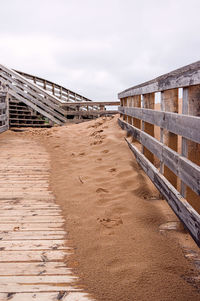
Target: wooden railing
pixel 4 121
pixel 32 95
pixel 90 109
pixel 170 156
pixel 64 94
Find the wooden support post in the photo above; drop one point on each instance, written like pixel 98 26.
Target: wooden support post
pixel 129 104
pixel 190 149
pixel 170 104
pixel 53 89
pixel 45 85
pixel 137 103
pixel 148 102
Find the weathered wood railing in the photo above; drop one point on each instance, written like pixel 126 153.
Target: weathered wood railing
pixel 176 148
pixel 4 112
pixel 64 94
pixel 90 109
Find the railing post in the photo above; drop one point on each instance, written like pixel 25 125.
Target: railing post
pixel 169 103
pixel 191 106
pixel 148 102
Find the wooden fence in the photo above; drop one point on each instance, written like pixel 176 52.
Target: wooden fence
pixel 4 115
pixel 169 138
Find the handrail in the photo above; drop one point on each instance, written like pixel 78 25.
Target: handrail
pixel 63 93
pixel 182 77
pixel 166 159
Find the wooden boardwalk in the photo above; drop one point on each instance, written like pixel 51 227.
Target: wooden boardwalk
pixel 32 238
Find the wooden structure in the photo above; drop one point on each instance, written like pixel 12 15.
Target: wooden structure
pixel 37 102
pixel 178 174
pixel 4 115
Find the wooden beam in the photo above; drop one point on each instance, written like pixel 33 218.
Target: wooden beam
pixel 183 77
pixel 91 112
pixel 184 211
pixel 182 167
pixel 148 102
pixel 178 124
pixel 170 104
pixel 193 148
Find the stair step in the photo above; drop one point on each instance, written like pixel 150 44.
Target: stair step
pixel 30 125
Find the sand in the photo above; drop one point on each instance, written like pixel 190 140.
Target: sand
pixel 114 217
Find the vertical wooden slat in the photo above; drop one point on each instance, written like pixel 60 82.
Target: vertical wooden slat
pixel 192 148
pixel 148 102
pixel 129 118
pixel 184 146
pixel 170 104
pixel 137 104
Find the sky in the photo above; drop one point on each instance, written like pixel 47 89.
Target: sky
pixel 99 48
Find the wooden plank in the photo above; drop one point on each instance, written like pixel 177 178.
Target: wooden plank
pixel 50 296
pixel 33 255
pixel 33 235
pixel 170 104
pixel 182 167
pixel 178 124
pixel 148 102
pixel 91 103
pixel 32 212
pixel 33 268
pixel 182 77
pixel 184 211
pixel 44 244
pixel 36 283
pixel 20 226
pixel 91 112
pixel 32 219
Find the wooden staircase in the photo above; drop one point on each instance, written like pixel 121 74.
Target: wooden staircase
pixel 21 115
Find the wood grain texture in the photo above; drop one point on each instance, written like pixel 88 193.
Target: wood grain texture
pixel 178 124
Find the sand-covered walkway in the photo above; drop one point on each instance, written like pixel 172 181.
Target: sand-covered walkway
pixel 114 217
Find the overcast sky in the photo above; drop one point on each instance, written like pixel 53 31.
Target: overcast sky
pixel 99 47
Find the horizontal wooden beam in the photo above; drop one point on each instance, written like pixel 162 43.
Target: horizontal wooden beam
pixel 91 103
pixel 188 172
pixel 91 112
pixel 185 212
pixel 178 124
pixel 183 77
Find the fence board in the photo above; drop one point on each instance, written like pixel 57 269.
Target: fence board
pixel 182 77
pixel 184 211
pixel 182 167
pixel 178 124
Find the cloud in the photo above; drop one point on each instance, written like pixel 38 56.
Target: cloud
pixel 99 48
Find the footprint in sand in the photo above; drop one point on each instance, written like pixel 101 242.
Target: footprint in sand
pixel 81 154
pixel 99 190
pixel 96 133
pixel 112 170
pixel 96 142
pixel 105 151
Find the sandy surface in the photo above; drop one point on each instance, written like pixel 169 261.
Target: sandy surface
pixel 113 216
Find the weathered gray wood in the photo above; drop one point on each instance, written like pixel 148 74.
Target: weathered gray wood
pixel 91 112
pixel 91 103
pixel 188 172
pixel 184 211
pixel 3 117
pixel 3 128
pixel 178 124
pixel 182 77
pixel 49 83
pixel 34 96
pixel 2 105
